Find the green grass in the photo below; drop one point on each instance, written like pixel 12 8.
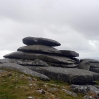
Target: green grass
pixel 16 85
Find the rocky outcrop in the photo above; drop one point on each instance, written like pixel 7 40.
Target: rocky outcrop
pixel 40 56
pixel 42 41
pixel 42 49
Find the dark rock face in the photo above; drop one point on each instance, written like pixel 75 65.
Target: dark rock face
pixel 43 57
pixel 70 75
pixel 39 49
pixel 42 41
pixel 69 53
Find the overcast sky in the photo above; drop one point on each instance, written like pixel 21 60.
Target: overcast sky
pixel 73 23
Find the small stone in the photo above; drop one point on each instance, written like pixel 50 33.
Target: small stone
pixel 30 97
pixel 30 84
pixel 29 78
pixel 41 91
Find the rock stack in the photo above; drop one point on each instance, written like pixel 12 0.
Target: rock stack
pixel 41 50
pixel 47 62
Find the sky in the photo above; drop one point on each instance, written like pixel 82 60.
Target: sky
pixel 73 23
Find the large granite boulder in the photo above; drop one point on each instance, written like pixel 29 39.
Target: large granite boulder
pixel 94 64
pixel 23 69
pixel 70 75
pixel 84 65
pixel 41 41
pixel 69 53
pixel 39 49
pixel 46 58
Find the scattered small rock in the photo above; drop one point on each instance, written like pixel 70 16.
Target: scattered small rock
pixel 70 92
pixel 41 91
pixel 30 97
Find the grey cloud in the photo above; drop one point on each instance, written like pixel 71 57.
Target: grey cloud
pixel 74 23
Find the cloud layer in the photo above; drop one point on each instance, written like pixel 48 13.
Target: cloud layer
pixel 74 23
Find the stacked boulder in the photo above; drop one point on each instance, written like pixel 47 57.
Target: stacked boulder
pixel 47 62
pixel 89 64
pixel 41 50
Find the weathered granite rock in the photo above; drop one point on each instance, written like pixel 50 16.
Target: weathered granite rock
pixel 70 75
pixel 69 53
pixel 94 64
pixel 25 70
pixel 38 62
pixel 42 41
pixel 39 49
pixel 46 58
pixel 84 65
pixel 85 89
pixel 35 62
pixel 80 88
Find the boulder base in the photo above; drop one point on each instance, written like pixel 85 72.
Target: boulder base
pixel 70 75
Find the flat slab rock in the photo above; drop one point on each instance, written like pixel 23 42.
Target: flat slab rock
pixel 69 53
pixel 42 41
pixel 39 49
pixel 43 57
pixel 70 75
pixel 23 69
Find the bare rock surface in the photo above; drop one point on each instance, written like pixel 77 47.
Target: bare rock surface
pixel 25 70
